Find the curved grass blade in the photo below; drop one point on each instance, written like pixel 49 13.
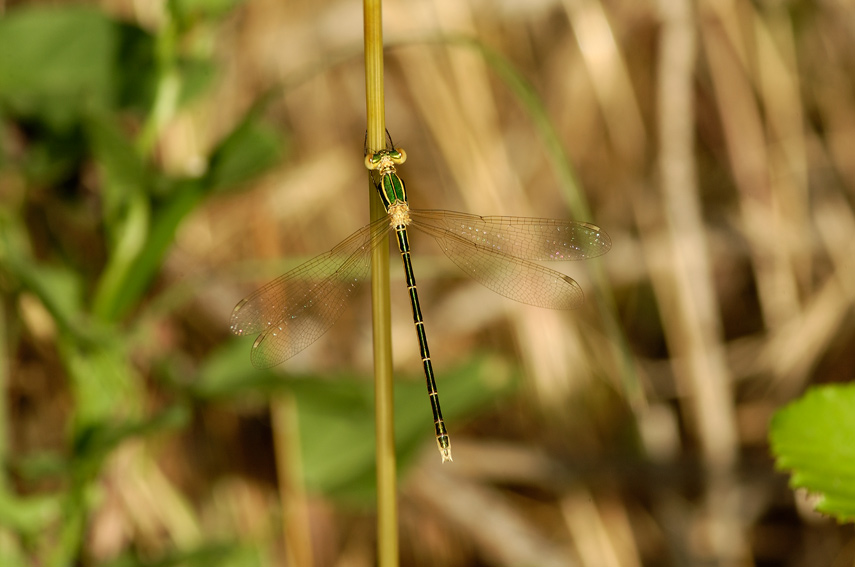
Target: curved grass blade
pixel 297 308
pixel 523 237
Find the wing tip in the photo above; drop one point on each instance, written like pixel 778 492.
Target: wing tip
pixel 235 325
pixel 602 240
pixel 259 357
pixel 576 299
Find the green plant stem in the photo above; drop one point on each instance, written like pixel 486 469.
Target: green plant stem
pixel 168 87
pixel 387 511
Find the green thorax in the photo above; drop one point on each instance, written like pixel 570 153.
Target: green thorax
pixel 391 187
pixel 392 190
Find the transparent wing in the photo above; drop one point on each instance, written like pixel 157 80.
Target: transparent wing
pixel 495 252
pixel 523 237
pixel 295 309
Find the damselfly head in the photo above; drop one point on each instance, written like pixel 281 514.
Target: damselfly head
pixel 385 161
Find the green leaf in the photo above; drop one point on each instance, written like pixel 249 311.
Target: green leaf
pixel 166 217
pixel 336 414
pixel 125 186
pixel 29 514
pixel 134 67
pixel 58 288
pixel 207 9
pixel 96 441
pixel 12 555
pixel 53 155
pixel 55 61
pixel 124 173
pixel 227 373
pixel 58 63
pixel 336 420
pixel 197 75
pixel 130 236
pixel 249 150
pixel 104 384
pixel 812 438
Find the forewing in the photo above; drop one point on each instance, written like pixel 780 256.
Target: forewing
pixel 295 309
pixel 523 237
pixel 507 275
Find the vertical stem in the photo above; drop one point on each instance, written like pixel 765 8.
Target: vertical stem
pixel 387 513
pixel 292 489
pixel 167 87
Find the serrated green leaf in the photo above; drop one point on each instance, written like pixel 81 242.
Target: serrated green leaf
pixel 812 438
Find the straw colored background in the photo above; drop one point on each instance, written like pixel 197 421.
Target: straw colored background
pixel 714 141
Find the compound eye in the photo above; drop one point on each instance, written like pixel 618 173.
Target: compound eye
pixel 398 155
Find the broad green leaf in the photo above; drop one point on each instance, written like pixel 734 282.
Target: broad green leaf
pixel 812 438
pixel 55 61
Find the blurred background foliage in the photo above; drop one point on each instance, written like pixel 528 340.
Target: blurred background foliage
pixel 161 159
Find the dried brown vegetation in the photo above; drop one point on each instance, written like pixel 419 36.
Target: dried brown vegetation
pixel 713 141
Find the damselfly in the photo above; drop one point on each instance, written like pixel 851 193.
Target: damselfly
pixel 294 310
